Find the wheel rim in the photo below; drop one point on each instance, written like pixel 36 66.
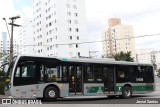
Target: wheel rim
pixel 51 93
pixel 127 92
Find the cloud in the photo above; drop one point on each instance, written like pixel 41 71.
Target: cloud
pixel 142 14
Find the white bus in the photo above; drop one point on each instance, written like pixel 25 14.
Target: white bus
pixel 52 78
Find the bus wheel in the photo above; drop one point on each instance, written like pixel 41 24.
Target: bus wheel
pixel 126 92
pixel 51 93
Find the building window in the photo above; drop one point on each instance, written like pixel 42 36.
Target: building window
pixel 77 37
pixel 76 14
pixel 77 30
pixel 50 24
pixel 69 21
pixel 70 37
pixel 78 54
pixel 47 48
pixel 76 45
pixel 70 29
pixel 69 13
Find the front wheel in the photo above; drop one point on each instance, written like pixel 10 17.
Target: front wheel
pixel 51 93
pixel 127 92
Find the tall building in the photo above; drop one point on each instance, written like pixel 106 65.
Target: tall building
pixel 5 44
pixel 59 27
pixel 118 37
pixel 26 37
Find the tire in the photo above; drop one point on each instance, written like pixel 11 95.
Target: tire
pixel 126 92
pixel 51 93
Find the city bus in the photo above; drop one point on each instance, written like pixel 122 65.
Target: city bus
pixel 52 78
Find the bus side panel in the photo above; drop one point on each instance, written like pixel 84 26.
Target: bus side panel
pixel 63 88
pixel 137 88
pixel 93 89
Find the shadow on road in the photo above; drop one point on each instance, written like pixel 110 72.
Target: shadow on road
pixel 72 100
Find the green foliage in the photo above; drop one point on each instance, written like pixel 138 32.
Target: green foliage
pixel 123 56
pixel 2 78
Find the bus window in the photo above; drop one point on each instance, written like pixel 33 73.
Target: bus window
pixel 149 74
pixel 17 72
pixel 122 73
pixel 52 73
pixel 29 70
pixel 25 73
pixel 89 74
pixel 98 73
pixel 138 74
pixel 64 74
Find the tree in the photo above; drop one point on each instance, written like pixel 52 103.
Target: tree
pixel 4 58
pixel 122 56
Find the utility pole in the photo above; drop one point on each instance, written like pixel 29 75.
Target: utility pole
pixel 11 38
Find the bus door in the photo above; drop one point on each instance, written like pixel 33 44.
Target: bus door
pixel 109 79
pixel 75 80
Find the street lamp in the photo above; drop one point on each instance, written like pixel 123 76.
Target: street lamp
pixel 11 36
pixel 7 27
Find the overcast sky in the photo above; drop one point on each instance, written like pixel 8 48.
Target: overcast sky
pixel 144 15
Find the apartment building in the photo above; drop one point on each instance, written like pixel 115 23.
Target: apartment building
pixel 148 56
pixel 145 55
pixel 26 37
pixel 118 37
pixel 59 28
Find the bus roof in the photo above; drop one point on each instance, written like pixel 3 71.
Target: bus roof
pixel 92 60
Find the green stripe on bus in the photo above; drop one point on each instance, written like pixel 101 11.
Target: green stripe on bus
pixel 136 88
pixel 96 89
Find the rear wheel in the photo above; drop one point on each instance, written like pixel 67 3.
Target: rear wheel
pixel 51 93
pixel 126 92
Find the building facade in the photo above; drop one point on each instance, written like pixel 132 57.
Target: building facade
pixel 148 56
pixel 145 55
pixel 26 37
pixel 118 37
pixel 157 54
pixel 59 28
pixel 5 44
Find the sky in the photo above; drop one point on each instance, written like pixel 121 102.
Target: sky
pixel 144 15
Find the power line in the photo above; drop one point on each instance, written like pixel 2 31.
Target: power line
pixel 96 41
